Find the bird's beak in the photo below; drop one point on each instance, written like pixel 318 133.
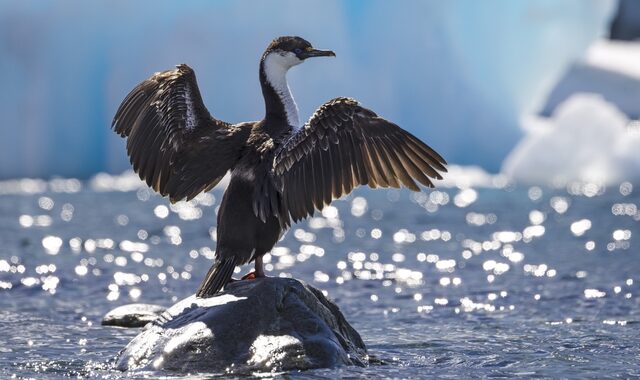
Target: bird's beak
pixel 311 52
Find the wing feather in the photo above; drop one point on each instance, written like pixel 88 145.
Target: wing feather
pixel 373 167
pixel 173 143
pixel 350 174
pixel 385 163
pixel 318 182
pixel 308 183
pixel 360 171
pixel 336 170
pixel 344 145
pixel 397 167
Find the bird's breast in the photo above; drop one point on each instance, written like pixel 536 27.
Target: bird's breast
pixel 244 174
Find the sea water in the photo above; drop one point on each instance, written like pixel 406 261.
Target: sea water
pixel 453 283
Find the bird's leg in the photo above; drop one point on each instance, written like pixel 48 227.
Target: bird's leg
pixel 259 271
pixel 259 267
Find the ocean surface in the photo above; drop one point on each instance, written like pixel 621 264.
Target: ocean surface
pixel 454 283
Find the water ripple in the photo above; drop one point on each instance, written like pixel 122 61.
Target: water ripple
pixel 451 283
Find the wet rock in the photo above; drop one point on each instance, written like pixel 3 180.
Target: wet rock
pixel 268 324
pixel 132 315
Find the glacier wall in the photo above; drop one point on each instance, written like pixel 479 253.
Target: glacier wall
pixel 458 74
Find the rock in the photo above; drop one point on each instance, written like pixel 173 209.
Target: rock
pixel 132 315
pixel 267 324
pixel 626 23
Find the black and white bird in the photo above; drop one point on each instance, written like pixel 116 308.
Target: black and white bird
pixel 281 170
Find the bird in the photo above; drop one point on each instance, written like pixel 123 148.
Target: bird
pixel 282 171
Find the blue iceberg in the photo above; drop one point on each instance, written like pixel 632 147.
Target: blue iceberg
pixel 457 74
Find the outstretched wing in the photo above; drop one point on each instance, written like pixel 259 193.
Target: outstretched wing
pixel 342 146
pixel 173 143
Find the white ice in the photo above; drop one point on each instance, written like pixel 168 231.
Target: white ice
pixel 587 139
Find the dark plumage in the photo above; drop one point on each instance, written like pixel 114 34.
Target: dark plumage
pixel 280 172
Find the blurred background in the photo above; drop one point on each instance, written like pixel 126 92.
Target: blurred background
pixel 522 262
pixel 542 91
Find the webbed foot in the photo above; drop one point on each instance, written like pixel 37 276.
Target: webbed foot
pixel 252 276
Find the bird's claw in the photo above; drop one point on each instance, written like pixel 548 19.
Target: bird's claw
pixel 251 276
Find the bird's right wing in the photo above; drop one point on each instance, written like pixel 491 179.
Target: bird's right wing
pixel 173 143
pixel 342 146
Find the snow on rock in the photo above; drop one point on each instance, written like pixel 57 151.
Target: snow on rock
pixel 587 139
pixel 263 325
pixel 132 315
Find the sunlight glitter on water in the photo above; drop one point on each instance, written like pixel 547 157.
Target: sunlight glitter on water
pixel 428 271
pixel 52 244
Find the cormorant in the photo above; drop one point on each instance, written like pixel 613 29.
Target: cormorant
pixel 281 171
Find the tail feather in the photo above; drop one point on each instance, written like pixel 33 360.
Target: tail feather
pixel 218 276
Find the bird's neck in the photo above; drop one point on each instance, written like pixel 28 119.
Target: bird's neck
pixel 281 108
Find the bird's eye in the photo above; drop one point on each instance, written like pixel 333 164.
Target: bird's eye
pixel 297 50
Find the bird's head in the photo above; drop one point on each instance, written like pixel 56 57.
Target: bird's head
pixel 290 51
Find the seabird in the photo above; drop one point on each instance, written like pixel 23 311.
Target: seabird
pixel 281 171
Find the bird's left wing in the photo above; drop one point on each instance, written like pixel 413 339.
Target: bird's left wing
pixel 344 145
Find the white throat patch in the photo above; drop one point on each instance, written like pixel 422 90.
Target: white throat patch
pixel 276 65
